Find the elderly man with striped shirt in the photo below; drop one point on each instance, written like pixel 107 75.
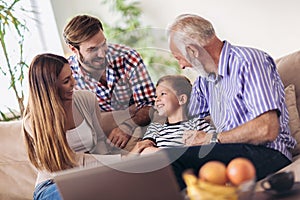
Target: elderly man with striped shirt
pixel 240 89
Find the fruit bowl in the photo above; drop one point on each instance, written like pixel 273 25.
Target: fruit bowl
pixel 201 190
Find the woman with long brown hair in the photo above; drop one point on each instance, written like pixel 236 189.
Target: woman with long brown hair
pixel 61 125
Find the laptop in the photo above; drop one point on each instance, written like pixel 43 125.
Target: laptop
pixel 148 177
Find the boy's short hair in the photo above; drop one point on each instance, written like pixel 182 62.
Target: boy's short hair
pixel 179 83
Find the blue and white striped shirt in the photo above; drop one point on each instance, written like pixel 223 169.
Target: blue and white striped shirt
pixel 171 135
pixel 247 85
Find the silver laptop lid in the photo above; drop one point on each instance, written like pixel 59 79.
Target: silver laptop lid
pixel 143 178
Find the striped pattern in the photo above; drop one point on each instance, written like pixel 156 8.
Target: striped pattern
pixel 170 135
pixel 128 80
pixel 248 85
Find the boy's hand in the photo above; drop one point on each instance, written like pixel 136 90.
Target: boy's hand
pixel 141 145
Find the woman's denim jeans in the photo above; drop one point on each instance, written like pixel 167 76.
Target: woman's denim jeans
pixel 46 190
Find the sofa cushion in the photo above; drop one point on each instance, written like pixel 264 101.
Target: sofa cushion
pixel 294 121
pixel 289 69
pixel 16 173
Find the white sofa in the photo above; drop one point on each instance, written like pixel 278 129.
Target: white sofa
pixel 17 177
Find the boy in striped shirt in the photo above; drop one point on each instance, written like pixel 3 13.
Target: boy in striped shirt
pixel 172 98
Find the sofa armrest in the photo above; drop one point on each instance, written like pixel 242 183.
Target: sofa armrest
pixel 16 173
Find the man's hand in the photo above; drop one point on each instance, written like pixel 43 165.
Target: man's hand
pixel 193 138
pixel 118 138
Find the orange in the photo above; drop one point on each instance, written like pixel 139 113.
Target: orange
pixel 240 170
pixel 213 172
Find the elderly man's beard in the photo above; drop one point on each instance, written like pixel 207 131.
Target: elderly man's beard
pixel 196 64
pixel 198 67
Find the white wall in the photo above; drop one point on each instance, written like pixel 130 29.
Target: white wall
pixel 271 25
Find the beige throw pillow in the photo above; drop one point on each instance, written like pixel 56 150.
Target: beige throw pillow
pixel 294 123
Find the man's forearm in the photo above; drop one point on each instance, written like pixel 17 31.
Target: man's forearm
pixel 141 117
pixel 264 128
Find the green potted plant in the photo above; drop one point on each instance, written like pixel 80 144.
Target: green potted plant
pixel 12 28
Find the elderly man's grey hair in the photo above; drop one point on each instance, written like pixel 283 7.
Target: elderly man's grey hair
pixel 190 28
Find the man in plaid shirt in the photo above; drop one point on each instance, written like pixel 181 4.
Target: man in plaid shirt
pixel 115 73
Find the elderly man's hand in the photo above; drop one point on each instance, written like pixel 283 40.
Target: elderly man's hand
pixel 194 137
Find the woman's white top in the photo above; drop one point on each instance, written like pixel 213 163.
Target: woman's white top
pixel 80 139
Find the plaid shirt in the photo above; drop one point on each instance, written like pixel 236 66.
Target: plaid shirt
pixel 128 81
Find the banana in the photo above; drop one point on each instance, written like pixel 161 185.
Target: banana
pixel 189 178
pixel 201 190
pixel 218 191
